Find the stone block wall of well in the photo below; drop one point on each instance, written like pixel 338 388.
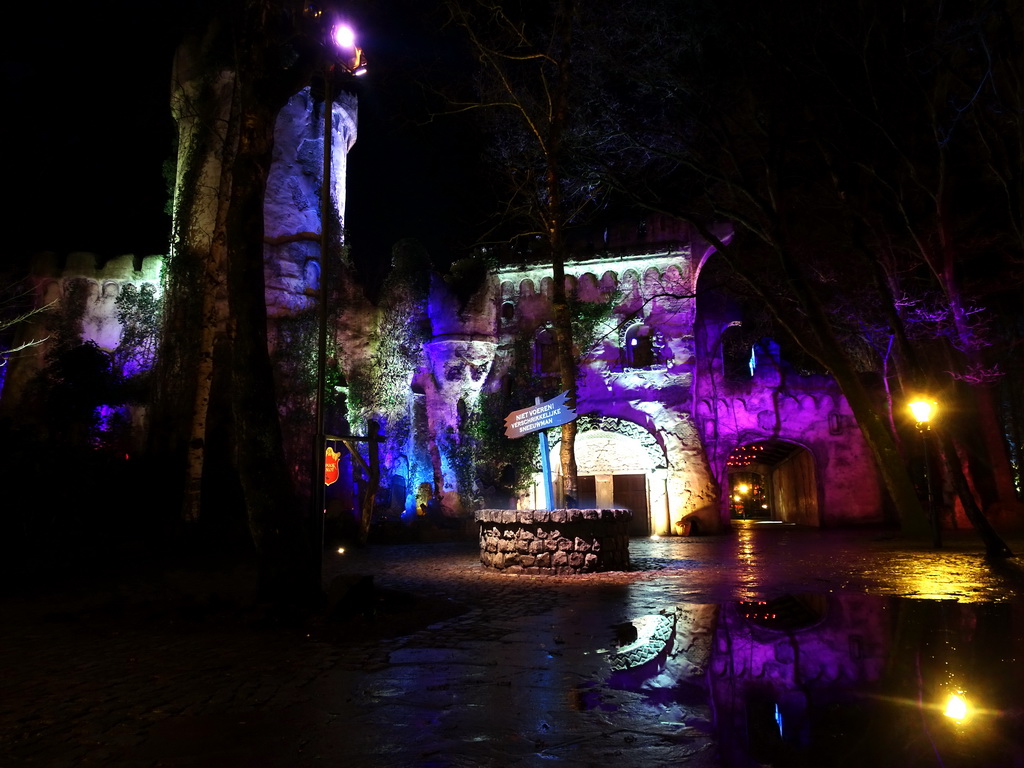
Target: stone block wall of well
pixel 554 542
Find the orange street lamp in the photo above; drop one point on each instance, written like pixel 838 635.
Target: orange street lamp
pixel 922 410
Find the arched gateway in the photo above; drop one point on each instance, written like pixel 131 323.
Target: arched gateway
pixel 623 469
pixel 773 480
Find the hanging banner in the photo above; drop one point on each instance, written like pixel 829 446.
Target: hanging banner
pixel 553 413
pixel 331 471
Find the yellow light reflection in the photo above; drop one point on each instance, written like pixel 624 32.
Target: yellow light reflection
pixel 745 539
pixel 954 576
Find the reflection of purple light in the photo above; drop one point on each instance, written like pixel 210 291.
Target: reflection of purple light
pixel 344 37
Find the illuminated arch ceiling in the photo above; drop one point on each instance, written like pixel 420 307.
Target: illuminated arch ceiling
pixel 769 453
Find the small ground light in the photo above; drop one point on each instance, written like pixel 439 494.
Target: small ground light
pixel 655 537
pixel 341 550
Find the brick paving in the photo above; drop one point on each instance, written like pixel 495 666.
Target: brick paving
pixel 454 666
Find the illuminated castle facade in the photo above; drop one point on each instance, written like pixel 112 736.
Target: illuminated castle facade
pixel 676 421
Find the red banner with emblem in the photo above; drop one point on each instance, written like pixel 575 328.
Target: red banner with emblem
pixel 331 471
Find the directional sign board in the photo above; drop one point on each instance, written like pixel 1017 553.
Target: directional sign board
pixel 553 413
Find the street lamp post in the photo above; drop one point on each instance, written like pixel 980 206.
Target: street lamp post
pixel 343 57
pixel 923 411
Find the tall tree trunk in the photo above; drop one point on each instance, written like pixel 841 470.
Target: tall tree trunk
pixel 567 376
pixel 912 377
pixel 989 461
pixel 276 520
pixel 219 157
pixel 556 220
pixel 194 305
pixel 888 459
pixel 994 545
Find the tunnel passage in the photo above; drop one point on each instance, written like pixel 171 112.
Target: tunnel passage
pixel 773 480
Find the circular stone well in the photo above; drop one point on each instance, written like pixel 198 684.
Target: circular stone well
pixel 554 542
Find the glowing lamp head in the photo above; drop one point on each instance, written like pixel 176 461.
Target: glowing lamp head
pixel 923 410
pixel 350 55
pixel 344 37
pixel 743 488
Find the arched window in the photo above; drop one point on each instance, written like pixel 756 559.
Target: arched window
pixel 640 346
pixel 546 353
pixel 737 353
pixel 508 312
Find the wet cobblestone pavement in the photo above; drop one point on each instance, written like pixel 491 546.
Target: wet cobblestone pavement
pixel 443 664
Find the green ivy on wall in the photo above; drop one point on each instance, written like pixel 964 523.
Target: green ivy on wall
pixel 139 310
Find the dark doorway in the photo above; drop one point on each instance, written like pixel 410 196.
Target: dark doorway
pixel 630 491
pixel 586 487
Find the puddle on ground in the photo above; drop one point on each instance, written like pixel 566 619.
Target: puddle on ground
pixel 837 679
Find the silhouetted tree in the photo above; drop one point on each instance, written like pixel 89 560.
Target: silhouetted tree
pixel 245 60
pixel 846 146
pixel 535 107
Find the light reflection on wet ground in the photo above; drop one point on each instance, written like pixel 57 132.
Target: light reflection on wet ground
pixel 755 559
pixel 765 646
pixel 787 648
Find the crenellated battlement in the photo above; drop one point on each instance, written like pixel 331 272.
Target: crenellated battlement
pixel 644 274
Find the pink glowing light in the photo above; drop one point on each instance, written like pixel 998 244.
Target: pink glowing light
pixel 344 37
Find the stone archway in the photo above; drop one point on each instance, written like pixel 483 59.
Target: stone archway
pixel 619 470
pixel 773 480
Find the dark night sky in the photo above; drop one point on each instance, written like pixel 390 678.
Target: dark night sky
pixel 87 130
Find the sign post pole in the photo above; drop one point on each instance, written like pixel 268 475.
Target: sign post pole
pixel 545 466
pixel 540 418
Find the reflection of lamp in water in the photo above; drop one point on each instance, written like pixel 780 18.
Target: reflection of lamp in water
pixel 923 411
pixel 957 707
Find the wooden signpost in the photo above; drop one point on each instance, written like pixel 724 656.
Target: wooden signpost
pixel 539 418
